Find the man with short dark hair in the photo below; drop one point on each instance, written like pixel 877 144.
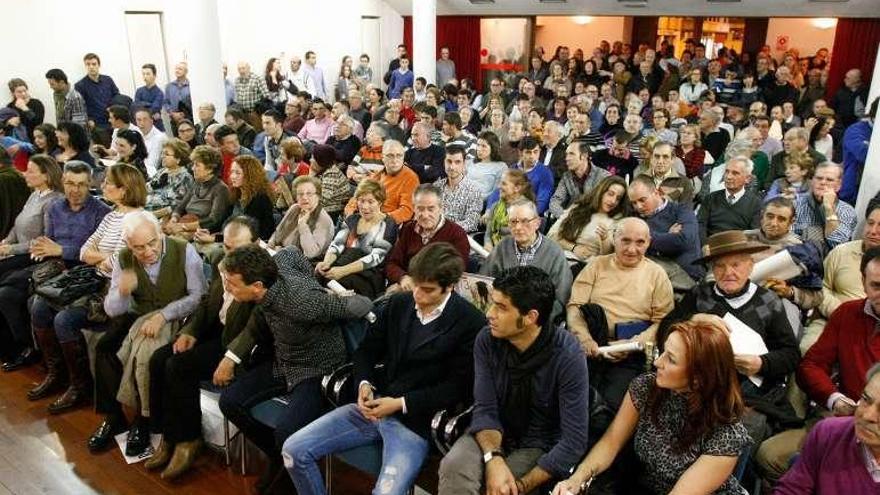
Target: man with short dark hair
pixel 428 226
pixel 580 178
pixel 617 158
pixel 98 91
pixel 434 327
pixel 230 148
pixel 70 106
pixel 316 74
pixel 462 198
pixel 303 319
pixel 540 177
pixel 521 358
pixel 319 127
pixel 400 78
pixel 150 96
pixel 237 119
pixel 453 134
pixel 267 144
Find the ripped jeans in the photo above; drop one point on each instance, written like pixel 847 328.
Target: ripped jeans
pixel 403 452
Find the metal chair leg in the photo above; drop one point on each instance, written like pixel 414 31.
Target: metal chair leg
pixel 243 456
pixel 226 439
pixel 328 474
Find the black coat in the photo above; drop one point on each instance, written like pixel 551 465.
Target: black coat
pixel 437 374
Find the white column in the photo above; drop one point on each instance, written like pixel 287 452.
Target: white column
pixel 871 174
pixel 202 42
pixel 424 27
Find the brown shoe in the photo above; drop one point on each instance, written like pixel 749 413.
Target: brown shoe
pixel 161 456
pixel 185 454
pixel 56 375
pixel 80 390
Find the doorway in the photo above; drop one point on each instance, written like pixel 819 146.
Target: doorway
pixel 146 45
pixel 371 44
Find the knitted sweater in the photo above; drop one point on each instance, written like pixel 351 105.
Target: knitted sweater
pixel 409 243
pixel 717 215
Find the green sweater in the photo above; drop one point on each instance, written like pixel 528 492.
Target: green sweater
pixel 170 285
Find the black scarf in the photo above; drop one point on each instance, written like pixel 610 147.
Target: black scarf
pixel 516 410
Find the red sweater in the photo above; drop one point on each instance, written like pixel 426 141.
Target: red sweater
pixel 851 341
pixel 409 243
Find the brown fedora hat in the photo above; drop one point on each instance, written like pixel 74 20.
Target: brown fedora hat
pixel 730 242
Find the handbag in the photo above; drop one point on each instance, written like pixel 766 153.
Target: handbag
pixel 65 288
pixel 45 271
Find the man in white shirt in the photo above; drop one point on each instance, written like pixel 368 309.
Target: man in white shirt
pixel 154 139
pixel 299 77
pixel 316 74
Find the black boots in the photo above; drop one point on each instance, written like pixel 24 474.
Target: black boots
pixel 80 390
pixel 56 376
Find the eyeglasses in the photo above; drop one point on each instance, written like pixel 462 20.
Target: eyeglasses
pixel 520 221
pixel 393 156
pixel 307 194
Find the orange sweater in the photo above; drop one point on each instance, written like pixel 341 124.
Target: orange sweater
pixel 399 190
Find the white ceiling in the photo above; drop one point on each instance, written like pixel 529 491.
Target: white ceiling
pixel 727 8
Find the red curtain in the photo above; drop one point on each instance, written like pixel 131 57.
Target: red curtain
pixel 855 47
pixel 462 35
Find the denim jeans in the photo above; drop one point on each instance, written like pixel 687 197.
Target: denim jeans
pixel 403 452
pixel 67 323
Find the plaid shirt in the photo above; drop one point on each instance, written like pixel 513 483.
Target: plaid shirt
pixel 73 107
pixel 250 90
pixel 463 205
pixel 527 255
pixel 809 222
pixel 335 190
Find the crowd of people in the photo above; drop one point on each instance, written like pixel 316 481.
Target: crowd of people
pixel 621 202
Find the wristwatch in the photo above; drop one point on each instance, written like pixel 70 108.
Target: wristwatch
pixel 492 453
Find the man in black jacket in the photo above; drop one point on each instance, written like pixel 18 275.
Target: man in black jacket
pixel 425 339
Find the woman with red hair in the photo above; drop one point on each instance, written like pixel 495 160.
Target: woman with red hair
pixel 684 418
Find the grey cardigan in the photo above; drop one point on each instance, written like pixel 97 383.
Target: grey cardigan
pixel 30 222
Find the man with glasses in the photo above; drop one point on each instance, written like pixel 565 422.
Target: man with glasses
pixel 399 181
pixel 527 246
pixel 319 128
pixel 821 217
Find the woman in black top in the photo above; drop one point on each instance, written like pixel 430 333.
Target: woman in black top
pixel 73 144
pixel 45 140
pixel 251 193
pixel 31 110
pixel 132 150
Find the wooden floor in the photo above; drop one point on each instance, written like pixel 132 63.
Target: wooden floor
pixel 44 454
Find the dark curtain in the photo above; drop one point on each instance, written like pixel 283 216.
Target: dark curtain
pixel 855 47
pixel 755 35
pixel 461 34
pixel 644 31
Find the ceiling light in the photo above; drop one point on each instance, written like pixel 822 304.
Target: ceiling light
pixel 824 22
pixel 581 20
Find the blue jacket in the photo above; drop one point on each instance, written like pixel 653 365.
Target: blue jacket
pixel 399 81
pixel 560 416
pixel 683 247
pixel 855 152
pixel 98 96
pixel 541 179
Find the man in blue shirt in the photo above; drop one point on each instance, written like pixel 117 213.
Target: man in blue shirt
pixel 178 102
pixel 539 175
pixel 98 91
pixel 150 95
pixel 401 78
pixel 521 359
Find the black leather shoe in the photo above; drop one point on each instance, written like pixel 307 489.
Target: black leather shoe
pixel 138 439
pixel 26 357
pixel 103 436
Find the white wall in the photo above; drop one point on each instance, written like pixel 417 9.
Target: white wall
pixel 803 35
pixel 506 38
pixel 553 31
pixel 332 28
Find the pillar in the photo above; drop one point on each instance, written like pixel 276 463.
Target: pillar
pixel 870 184
pixel 424 26
pixel 202 43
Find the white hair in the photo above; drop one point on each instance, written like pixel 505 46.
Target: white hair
pixel 134 220
pixel 523 203
pixel 748 165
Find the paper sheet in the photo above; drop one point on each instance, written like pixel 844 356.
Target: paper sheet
pixel 121 442
pixel 779 266
pixel 477 248
pixel 744 340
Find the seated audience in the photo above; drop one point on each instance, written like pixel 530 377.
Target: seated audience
pixel 585 228
pixel 536 172
pixel 675 186
pixel 462 199
pixel 125 189
pixel 691 152
pixel 73 144
pixel 177 368
pixel 675 236
pixel 553 154
pixel 714 139
pixel 267 144
pixel 453 134
pixel 617 158
pixel 307 344
pixel 344 141
pixel 306 225
pixel 235 119
pixel 250 194
pixel 798 172
pixel 527 246
pixel 154 139
pixel 514 187
pixel 428 226
pixel 684 419
pixel 206 205
pixel 156 282
pixel 317 129
pixel 734 207
pixel 396 403
pixel 580 178
pixel 356 256
pixel 132 150
pixel 487 169
pixel 521 358
pixel 840 454
pixel 173 182
pixel 228 143
pixel 398 181
pixel 424 157
pixel 369 157
pixel 795 141
pixel 823 218
pixel 335 189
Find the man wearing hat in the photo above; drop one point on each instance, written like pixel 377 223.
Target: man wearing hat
pixel 730 258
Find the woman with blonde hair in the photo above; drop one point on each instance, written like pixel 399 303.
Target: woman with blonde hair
pixel 514 185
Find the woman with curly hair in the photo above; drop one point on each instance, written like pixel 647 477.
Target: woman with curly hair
pixel 173 180
pixel 685 418
pixel 585 227
pixel 251 193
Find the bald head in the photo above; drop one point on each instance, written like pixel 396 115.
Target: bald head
pixel 631 240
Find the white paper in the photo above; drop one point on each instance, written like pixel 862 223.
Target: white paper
pixel 624 347
pixel 477 248
pixel 121 442
pixel 780 266
pixel 744 340
pixel 341 291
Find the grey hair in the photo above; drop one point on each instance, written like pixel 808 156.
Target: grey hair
pixel 748 165
pixel 618 229
pixel 552 124
pixel 135 219
pixel 822 165
pixel 872 372
pixel 345 119
pixel 523 203
pixel 379 129
pixel 387 145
